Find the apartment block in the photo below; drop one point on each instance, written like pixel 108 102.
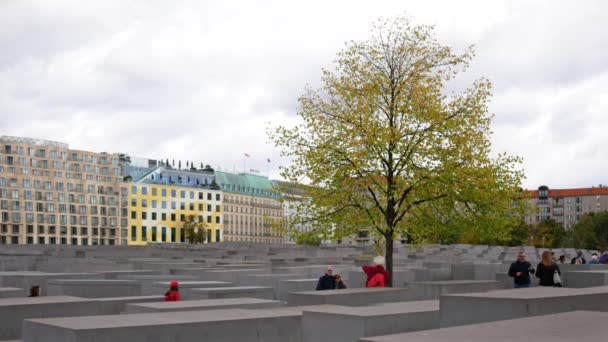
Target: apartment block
pixel 162 198
pixel 51 194
pixel 566 206
pixel 252 208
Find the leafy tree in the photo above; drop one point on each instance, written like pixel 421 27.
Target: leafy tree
pixel 600 227
pixel 520 234
pixel 545 233
pixel 195 230
pixel 383 147
pixel 307 238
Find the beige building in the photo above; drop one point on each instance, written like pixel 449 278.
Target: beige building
pixel 252 208
pixel 566 206
pixel 50 194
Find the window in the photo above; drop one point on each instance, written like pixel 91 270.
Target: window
pixel 163 192
pixel 173 234
pixel 173 193
pixel 144 203
pixel 217 208
pixel 154 215
pixel 133 202
pixel 209 208
pixel 200 196
pixel 182 206
pixel 154 192
pixel 209 198
pixel 134 215
pixel 154 204
pixel 217 219
pixel 144 190
pixel 182 235
pixel 217 234
pixel 163 216
pixel 217 198
pixel 144 233
pixel 208 219
pixel 173 217
pixel 182 218
pixel 133 233
pixel 144 215
pixel 191 206
pixel 153 234
pixel 191 194
pixel 173 205
pixel 134 190
pixel 163 233
pixel 182 194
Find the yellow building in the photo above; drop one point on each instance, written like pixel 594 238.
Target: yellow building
pixel 161 200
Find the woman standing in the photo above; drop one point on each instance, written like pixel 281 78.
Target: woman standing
pixel 173 294
pixel 546 271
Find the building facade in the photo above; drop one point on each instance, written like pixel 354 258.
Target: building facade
pixel 252 208
pixel 161 199
pixel 293 195
pixel 566 206
pixel 51 194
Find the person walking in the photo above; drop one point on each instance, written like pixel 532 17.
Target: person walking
pixel 173 294
pixel 546 270
pixel 340 283
pixel 562 259
pixel 520 271
pixel 327 281
pixel 377 276
pixel 34 291
pixel 579 256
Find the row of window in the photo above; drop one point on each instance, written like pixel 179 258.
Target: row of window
pixel 42 240
pixel 63 230
pixel 59 174
pixel 182 205
pixel 59 186
pixel 62 155
pixel 182 193
pixel 17 217
pixel 142 233
pixel 57 165
pixel 254 211
pixel 163 217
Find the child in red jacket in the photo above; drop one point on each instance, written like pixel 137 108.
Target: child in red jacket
pixel 173 294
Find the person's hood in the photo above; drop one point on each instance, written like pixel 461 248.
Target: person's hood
pixel 379 269
pixel 174 283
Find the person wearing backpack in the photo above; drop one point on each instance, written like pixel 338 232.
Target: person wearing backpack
pixel 548 272
pixel 579 257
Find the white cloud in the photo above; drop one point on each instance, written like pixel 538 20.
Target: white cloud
pixel 200 81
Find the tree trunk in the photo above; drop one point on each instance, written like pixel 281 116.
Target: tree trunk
pixel 388 257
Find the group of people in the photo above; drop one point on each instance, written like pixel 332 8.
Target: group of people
pixel 377 276
pixel 547 271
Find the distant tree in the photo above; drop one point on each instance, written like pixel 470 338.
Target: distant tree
pixel 520 234
pixel 600 226
pixel 195 230
pixel 307 238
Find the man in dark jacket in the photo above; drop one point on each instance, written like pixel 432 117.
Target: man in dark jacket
pixel 520 270
pixel 327 281
pixel 579 255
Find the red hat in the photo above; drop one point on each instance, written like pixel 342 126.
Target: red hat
pixel 174 283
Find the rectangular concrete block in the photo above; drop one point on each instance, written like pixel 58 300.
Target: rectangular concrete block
pixel 580 279
pixel 434 289
pixel 147 282
pixel 346 324
pixel 563 327
pixel 94 288
pixel 25 280
pixel 235 325
pixel 204 304
pixel 295 285
pixel 233 292
pixel 185 287
pixel 350 297
pixel 516 303
pixel 12 292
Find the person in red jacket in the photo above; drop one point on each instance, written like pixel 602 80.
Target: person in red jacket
pixel 377 276
pixel 173 294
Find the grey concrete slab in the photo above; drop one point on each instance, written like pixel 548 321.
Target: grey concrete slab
pixel 14 310
pixel 116 305
pixel 11 292
pixel 516 303
pixel 295 285
pixel 204 304
pixel 235 325
pixel 347 324
pixel 233 292
pixel 116 274
pixel 147 281
pixel 579 279
pixel 434 289
pixel 185 287
pixel 25 280
pixel 350 297
pixel 231 276
pixel 476 271
pixel 563 327
pixel 93 288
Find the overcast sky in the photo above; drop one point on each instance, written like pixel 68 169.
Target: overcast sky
pixel 196 80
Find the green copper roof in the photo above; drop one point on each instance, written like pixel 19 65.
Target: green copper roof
pixel 244 183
